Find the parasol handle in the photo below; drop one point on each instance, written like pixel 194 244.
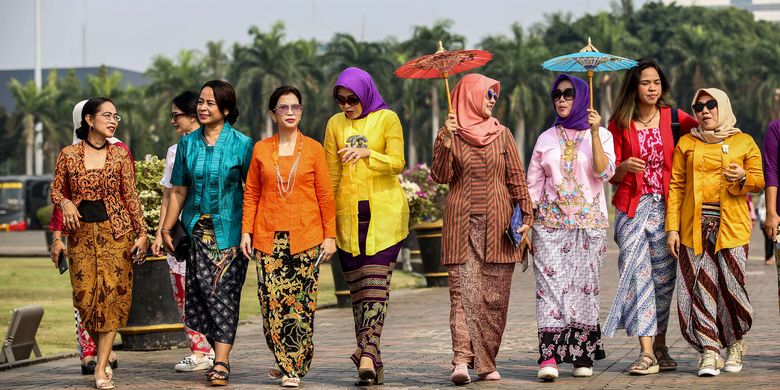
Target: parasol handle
pixel 445 76
pixel 590 81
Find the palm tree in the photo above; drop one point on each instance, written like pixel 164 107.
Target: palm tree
pixel 31 102
pixel 516 65
pixel 217 61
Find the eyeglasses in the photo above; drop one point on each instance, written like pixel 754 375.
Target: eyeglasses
pixel 568 94
pixel 110 116
pixel 492 95
pixel 710 104
pixel 176 115
pixel 285 108
pixel 350 100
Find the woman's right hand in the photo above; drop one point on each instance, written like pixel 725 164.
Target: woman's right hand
pixel 246 245
pixel 57 246
pixel 157 244
pixel 70 216
pixel 450 125
pixel 673 243
pixel 633 165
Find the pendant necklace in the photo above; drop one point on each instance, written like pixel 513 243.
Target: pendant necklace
pixel 286 187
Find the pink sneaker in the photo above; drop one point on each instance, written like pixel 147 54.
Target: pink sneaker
pixel 460 374
pixel 491 376
pixel 548 370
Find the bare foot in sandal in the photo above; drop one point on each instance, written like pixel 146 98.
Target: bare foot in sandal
pixel 665 362
pixel 646 364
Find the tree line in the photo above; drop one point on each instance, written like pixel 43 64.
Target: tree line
pixel 696 47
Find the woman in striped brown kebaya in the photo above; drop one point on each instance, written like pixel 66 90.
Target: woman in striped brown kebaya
pixel 477 156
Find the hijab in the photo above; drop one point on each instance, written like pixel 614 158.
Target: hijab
pixel 578 116
pixel 362 85
pixel 467 100
pixel 726 119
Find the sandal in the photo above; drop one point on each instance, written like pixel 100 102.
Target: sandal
pixel 664 360
pixel 646 364
pixel 274 374
pixel 218 377
pixel 290 381
pixel 104 384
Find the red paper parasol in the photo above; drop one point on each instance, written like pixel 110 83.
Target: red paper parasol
pixel 442 64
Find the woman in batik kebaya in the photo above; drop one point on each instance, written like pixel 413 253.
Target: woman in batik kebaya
pixel 364 146
pixel 570 164
pixel 713 168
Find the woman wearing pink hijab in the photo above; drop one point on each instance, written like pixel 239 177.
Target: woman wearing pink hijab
pixel 477 157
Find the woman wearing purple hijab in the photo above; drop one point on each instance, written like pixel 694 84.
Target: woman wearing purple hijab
pixel 569 166
pixel 364 146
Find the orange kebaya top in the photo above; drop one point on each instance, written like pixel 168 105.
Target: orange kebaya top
pixel 308 212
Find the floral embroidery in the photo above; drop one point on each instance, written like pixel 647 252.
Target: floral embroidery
pixel 572 210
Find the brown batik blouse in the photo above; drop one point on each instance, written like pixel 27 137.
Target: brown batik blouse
pixel 114 184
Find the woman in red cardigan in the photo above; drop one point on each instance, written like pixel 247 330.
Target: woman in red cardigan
pixel 644 142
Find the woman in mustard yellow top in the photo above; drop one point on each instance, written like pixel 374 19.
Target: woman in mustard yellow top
pixel 713 168
pixel 364 147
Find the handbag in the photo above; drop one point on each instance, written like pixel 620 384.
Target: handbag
pixel 181 242
pixel 515 223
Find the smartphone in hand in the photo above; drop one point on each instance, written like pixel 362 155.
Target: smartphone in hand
pixel 62 263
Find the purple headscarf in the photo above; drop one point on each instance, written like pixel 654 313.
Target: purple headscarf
pixel 360 82
pixel 578 117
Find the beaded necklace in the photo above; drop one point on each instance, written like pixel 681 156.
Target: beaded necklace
pixel 286 187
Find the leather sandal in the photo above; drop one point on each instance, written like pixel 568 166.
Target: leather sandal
pixel 646 364
pixel 664 360
pixel 274 374
pixel 218 377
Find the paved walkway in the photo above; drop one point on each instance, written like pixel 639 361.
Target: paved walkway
pixel 416 349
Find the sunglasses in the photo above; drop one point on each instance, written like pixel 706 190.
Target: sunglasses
pixel 285 108
pixel 568 94
pixel 710 104
pixel 492 95
pixel 350 100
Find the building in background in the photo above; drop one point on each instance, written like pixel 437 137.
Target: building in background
pixel 761 9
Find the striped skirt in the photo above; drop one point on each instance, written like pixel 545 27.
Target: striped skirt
pixel 712 302
pixel 368 278
pixel 647 272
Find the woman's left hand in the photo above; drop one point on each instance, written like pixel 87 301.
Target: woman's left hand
pixel 594 120
pixel 353 154
pixel 138 250
pixel 733 173
pixel 328 248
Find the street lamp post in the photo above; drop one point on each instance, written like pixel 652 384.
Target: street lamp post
pixel 38 141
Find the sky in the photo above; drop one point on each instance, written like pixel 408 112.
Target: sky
pixel 129 34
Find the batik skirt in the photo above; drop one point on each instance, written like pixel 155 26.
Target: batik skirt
pixel 567 264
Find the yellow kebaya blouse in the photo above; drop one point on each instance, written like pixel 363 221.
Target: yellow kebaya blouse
pixel 374 179
pixel 697 177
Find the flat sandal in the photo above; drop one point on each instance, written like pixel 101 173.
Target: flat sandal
pixel 642 367
pixel 664 360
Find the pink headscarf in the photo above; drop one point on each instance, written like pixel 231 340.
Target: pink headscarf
pixel 467 101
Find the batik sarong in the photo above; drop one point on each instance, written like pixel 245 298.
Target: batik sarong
pixel 647 272
pixel 479 299
pixel 712 302
pixel 213 289
pixel 567 264
pixel 287 289
pixel 368 278
pixel 101 273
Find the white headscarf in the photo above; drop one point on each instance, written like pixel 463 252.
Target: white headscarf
pixel 77 109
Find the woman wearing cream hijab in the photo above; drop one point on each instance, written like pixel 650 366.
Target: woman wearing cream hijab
pixel 713 168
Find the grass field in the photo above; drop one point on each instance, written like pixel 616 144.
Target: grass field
pixel 28 281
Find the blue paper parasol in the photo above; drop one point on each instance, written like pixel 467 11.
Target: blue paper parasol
pixel 589 60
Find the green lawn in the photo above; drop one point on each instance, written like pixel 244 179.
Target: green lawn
pixel 28 281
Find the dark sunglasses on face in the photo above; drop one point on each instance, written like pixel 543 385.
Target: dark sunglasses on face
pixel 176 115
pixel 350 100
pixel 710 104
pixel 285 108
pixel 567 94
pixel 492 95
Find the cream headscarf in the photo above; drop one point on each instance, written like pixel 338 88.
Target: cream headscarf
pixel 726 118
pixel 77 122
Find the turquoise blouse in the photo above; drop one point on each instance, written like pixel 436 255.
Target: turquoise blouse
pixel 214 177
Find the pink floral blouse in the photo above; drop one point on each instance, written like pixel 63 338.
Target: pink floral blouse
pixel 651 150
pixel 567 194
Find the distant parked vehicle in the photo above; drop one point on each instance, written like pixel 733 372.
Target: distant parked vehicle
pixel 20 199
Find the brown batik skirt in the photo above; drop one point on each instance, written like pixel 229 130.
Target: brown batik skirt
pixel 101 274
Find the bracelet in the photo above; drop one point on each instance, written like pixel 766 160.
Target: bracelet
pixel 165 229
pixel 62 202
